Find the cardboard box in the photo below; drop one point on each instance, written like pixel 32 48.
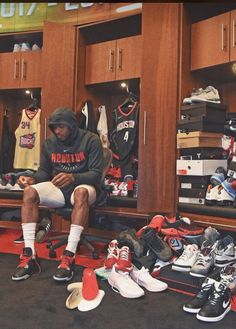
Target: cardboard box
pixel 199 139
pixel 199 167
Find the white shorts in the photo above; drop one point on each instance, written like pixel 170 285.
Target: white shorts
pixel 52 197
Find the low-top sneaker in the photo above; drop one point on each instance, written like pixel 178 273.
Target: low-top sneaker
pixel 143 278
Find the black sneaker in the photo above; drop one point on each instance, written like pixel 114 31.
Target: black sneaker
pixel 128 238
pixel 28 266
pixel 20 239
pixel 156 244
pixel 65 270
pixel 218 304
pixel 195 304
pixel 43 229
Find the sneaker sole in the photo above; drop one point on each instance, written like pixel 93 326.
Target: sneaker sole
pixel 191 310
pixel 123 293
pixel 180 269
pixel 63 279
pixel 215 319
pixel 25 277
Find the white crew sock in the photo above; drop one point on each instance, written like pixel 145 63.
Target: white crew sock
pixel 29 230
pixel 74 237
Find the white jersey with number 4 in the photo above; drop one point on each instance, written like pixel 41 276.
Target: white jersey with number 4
pixel 27 151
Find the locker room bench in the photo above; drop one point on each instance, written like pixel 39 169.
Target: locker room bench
pixel 116 207
pixel 217 216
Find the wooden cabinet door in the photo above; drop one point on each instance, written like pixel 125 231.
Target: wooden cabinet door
pixel 100 62
pixel 159 101
pixel 58 64
pixel 210 42
pixel 31 69
pixel 128 57
pixel 9 70
pixel 233 35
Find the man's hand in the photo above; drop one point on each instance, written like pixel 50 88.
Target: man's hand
pixel 24 181
pixel 63 179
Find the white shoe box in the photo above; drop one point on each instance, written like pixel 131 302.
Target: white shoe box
pixel 199 167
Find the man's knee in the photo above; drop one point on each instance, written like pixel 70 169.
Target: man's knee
pixel 30 195
pixel 81 196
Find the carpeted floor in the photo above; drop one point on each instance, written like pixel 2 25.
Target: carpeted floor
pixel 39 303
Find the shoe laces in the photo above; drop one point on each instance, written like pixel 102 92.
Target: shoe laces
pixel 203 291
pixel 124 253
pixel 187 253
pixel 112 249
pixel 203 259
pixel 66 261
pixel 24 260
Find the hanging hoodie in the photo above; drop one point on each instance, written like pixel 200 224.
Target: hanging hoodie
pixel 80 154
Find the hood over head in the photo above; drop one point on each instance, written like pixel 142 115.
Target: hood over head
pixel 65 116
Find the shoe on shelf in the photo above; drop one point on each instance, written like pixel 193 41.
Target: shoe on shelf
pixel 25 46
pixel 224 198
pixel 194 305
pixel 218 177
pixel 188 100
pixel 121 282
pixel 209 94
pixel 124 263
pixel 225 252
pixel 212 195
pixel 144 279
pixel 65 270
pixel 187 259
pixel 43 229
pixel 35 47
pixel 112 254
pixel 16 48
pixel 217 305
pixel 20 239
pixel 28 265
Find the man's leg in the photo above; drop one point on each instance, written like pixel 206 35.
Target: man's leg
pixel 81 200
pixel 29 217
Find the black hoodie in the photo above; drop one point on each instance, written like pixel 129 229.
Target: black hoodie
pixel 81 154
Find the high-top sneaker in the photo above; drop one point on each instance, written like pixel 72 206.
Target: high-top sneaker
pixel 217 305
pixel 124 260
pixel 28 265
pixel 212 195
pixel 65 270
pixel 128 238
pixel 112 254
pixel 225 252
pixel 195 304
pixel 187 259
pixel 204 263
pixel 228 275
pixel 226 193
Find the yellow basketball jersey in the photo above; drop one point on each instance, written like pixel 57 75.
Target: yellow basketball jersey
pixel 27 151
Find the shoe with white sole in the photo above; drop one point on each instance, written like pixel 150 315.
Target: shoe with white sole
pixel 225 252
pixel 144 279
pixel 122 282
pixel 189 256
pixel 112 254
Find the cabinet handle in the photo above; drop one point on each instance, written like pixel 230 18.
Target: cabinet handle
pixel 16 70
pixel 45 128
pixel 223 39
pixel 111 60
pixel 119 59
pixel 233 33
pixel 23 70
pixel 144 127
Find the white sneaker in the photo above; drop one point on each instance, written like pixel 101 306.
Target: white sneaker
pixel 209 94
pixel 224 198
pixel 143 278
pixel 121 282
pixel 25 46
pixel 35 47
pixel 17 48
pixel 225 252
pixel 212 195
pixel 187 259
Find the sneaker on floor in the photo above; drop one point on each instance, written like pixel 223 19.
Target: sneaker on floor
pixel 65 270
pixel 28 265
pixel 187 259
pixel 152 239
pixel 43 229
pixel 124 260
pixel 112 254
pixel 143 278
pixel 121 282
pixel 228 275
pixel 128 238
pixel 217 305
pixel 225 252
pixel 204 263
pixel 20 239
pixel 195 304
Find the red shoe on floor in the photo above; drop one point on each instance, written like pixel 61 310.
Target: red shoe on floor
pixel 112 254
pixel 124 260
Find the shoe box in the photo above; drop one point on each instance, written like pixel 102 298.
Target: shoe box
pixel 199 201
pixel 199 139
pixel 209 117
pixel 192 193
pixel 199 167
pixel 201 153
pixel 194 182
pixel 232 168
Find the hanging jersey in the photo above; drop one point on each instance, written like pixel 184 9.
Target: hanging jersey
pixel 27 150
pixel 126 129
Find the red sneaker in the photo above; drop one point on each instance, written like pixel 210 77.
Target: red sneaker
pixel 112 254
pixel 124 260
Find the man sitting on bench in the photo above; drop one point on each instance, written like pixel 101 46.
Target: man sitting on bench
pixel 69 173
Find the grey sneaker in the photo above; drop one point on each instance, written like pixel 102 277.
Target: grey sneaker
pixel 228 275
pixel 128 238
pixel 204 263
pixel 209 94
pixel 225 252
